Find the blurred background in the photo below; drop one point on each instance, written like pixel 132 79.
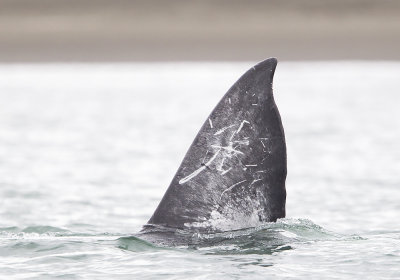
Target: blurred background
pixel 181 30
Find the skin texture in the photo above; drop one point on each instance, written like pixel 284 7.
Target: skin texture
pixel 233 175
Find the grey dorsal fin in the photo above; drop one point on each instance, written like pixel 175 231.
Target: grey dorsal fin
pixel 233 175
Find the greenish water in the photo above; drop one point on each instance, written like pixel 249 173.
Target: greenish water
pixel 56 252
pixel 87 151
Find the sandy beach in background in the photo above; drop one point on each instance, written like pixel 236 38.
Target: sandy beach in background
pixel 178 30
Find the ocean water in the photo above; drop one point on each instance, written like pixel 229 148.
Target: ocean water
pixel 88 150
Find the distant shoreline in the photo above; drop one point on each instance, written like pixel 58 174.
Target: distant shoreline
pixel 178 30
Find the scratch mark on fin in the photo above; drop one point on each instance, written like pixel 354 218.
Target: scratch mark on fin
pixel 262 143
pixel 223 129
pixel 230 188
pixel 254 181
pixel 226 171
pixel 212 159
pixel 221 165
pixel 199 170
pixel 229 99
pixel 204 157
pixel 228 148
pixel 211 124
pixel 241 126
pixel 233 134
pixel 248 165
pixel 244 142
pixel 192 175
pixel 264 159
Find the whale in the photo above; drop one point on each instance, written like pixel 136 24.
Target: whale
pixel 233 175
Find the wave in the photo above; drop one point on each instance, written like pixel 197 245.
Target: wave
pixel 45 231
pixel 43 242
pixel 265 239
pixel 268 238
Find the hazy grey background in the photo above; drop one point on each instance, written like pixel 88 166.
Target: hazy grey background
pixel 176 30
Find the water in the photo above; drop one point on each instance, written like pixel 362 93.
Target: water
pixel 87 151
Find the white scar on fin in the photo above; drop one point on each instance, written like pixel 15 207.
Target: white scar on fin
pixel 211 125
pixel 226 171
pixel 223 129
pixel 254 181
pixel 198 171
pixel 233 134
pixel 204 157
pixel 228 148
pixel 238 130
pixel 241 126
pixel 244 142
pixel 230 188
pixel 220 167
pixel 249 165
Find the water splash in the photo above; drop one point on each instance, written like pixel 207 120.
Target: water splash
pixel 268 238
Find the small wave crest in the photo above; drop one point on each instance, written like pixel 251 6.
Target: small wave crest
pixel 43 242
pixel 32 232
pixel 45 232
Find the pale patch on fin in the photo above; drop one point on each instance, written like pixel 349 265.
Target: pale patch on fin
pixel 199 170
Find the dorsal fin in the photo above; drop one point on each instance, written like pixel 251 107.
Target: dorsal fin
pixel 233 175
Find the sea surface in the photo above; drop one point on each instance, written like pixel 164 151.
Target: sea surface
pixel 88 150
